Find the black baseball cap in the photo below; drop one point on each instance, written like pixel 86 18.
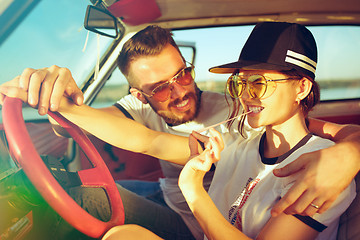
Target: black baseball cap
pixel 276 46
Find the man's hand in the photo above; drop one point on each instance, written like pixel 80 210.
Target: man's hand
pixel 43 88
pixel 321 176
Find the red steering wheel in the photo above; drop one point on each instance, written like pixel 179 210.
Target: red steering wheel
pixel 27 157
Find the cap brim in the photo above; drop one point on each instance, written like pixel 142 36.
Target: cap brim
pixel 247 65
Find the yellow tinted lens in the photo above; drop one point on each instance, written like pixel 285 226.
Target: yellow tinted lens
pixel 257 86
pixel 235 86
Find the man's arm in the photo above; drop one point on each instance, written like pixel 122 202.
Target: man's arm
pixel 333 131
pixel 46 87
pixel 109 110
pixel 321 175
pixel 118 131
pixel 126 133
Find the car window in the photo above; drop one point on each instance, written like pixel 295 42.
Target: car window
pixel 52 34
pixel 338 61
pixel 337 74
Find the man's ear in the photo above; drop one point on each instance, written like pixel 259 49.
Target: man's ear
pixel 304 88
pixel 136 93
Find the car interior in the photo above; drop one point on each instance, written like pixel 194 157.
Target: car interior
pixel 208 32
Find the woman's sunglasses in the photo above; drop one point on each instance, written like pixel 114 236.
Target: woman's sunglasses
pixel 161 93
pixel 256 85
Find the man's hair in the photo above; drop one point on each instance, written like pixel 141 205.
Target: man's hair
pixel 147 42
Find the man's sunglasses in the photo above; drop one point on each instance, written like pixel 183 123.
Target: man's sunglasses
pixel 162 92
pixel 256 85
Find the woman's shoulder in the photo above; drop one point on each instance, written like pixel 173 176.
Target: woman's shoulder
pixel 319 142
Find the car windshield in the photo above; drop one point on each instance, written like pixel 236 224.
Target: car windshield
pixel 336 73
pixel 51 34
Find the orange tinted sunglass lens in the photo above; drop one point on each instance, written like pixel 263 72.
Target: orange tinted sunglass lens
pixel 162 92
pixel 186 76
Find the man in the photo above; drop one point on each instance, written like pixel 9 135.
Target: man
pixel 181 108
pixel 177 107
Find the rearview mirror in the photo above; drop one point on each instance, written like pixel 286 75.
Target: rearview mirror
pixel 188 50
pixel 99 21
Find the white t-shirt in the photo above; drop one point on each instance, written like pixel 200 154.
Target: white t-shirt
pixel 213 109
pixel 244 189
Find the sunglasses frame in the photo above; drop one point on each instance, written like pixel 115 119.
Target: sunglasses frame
pixel 172 81
pixel 246 85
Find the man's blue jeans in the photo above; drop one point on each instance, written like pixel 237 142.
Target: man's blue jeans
pixel 158 218
pixel 147 189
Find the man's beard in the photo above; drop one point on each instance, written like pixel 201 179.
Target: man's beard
pixel 173 120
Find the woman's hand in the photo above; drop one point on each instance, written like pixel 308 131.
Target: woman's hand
pixel 192 175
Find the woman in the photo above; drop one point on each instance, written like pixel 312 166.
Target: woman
pixel 274 79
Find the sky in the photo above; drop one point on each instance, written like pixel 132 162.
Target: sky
pixel 54 34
